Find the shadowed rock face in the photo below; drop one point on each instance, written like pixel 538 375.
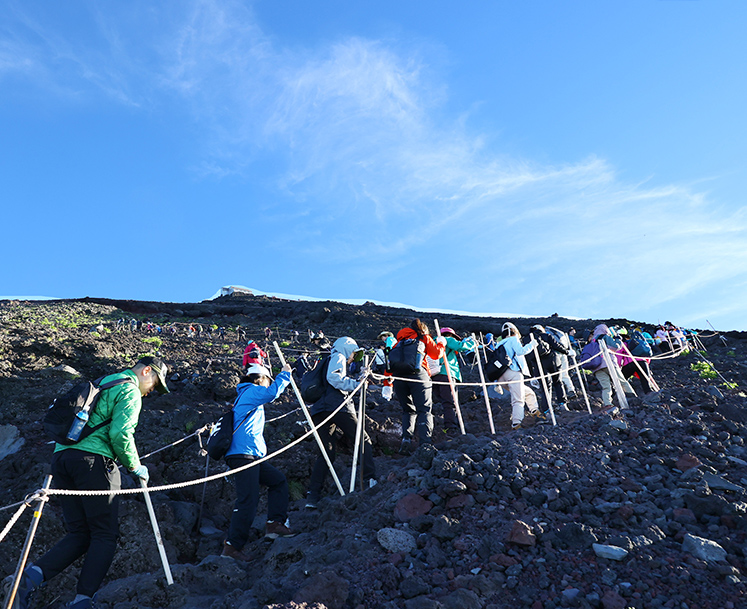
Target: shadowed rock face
pixel 491 521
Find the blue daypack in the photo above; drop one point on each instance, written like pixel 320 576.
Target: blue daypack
pixel 638 346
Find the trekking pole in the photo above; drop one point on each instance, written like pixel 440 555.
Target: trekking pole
pixel 613 372
pixel 157 533
pixel 580 376
pixel 485 391
pixel 454 394
pixel 548 395
pixel 27 544
pixel 484 349
pixel 311 422
pixel 359 433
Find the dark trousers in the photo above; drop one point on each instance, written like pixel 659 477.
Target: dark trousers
pixel 415 397
pixel 347 422
pixel 442 394
pixel 247 484
pixel 92 522
pixel 553 383
pixel 630 370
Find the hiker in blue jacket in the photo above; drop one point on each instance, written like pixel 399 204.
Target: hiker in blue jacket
pixel 255 390
pixel 513 378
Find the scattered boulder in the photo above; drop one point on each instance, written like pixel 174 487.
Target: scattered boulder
pixel 686 462
pixel 521 534
pixel 609 552
pixel 326 587
pixel 702 548
pixel 395 540
pixel 10 440
pixel 410 506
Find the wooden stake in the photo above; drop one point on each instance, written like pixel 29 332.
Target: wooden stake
pixel 485 391
pixel 311 422
pixel 548 395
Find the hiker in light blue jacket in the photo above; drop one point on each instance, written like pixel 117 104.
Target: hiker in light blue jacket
pixel 513 378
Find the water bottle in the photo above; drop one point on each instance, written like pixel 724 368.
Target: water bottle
pixel 421 354
pixel 78 424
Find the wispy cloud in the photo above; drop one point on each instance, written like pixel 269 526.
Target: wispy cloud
pixel 366 152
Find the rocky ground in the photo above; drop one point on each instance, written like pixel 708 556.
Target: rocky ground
pixel 643 508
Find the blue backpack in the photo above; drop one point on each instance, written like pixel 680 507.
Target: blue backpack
pixel 638 346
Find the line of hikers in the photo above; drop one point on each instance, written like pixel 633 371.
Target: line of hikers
pixel 410 363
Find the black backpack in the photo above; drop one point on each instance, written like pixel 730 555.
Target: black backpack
pixel 314 382
pixel 61 413
pixel 498 363
pixel 406 357
pixel 543 347
pixel 221 434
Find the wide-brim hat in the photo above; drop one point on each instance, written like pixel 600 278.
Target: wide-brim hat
pixel 160 368
pixel 446 330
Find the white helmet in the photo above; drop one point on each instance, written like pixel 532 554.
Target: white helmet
pixel 258 369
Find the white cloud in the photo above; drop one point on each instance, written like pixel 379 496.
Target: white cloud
pixel 391 185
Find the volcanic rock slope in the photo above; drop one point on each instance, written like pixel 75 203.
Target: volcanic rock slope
pixel 642 508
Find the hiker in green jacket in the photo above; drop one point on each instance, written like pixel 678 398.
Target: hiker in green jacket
pixel 442 390
pixel 92 522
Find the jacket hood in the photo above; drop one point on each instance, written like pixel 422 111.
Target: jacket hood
pixel 345 345
pixel 601 330
pixel 406 333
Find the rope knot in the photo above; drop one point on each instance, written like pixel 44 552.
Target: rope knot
pixel 38 495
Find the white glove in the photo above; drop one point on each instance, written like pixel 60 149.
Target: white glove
pixel 534 343
pixel 386 392
pixel 141 472
pixel 441 341
pixel 572 353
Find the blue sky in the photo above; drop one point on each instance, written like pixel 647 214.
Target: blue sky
pixel 584 158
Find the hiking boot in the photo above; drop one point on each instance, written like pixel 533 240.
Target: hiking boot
pixel 230 552
pixel 406 447
pixel 30 580
pixel 516 425
pixel 85 602
pixel 564 407
pixel 274 529
pixel 539 416
pixel 312 500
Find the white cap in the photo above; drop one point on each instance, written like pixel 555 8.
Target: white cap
pixel 258 369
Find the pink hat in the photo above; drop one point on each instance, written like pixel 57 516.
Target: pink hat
pixel 447 330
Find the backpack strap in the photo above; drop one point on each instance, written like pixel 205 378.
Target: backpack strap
pixel 235 427
pixel 104 387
